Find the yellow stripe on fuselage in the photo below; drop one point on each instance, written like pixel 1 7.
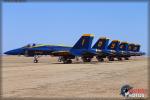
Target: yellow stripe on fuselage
pixel 40 45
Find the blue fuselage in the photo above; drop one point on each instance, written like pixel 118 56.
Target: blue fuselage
pixel 37 50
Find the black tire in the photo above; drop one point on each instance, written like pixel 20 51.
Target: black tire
pixel 70 61
pixel 126 58
pixel 119 58
pixel 111 58
pixel 101 60
pixel 86 59
pixel 67 61
pixel 36 61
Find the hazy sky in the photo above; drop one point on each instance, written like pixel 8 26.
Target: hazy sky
pixel 65 22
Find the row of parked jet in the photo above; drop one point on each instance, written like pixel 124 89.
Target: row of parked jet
pixel 83 48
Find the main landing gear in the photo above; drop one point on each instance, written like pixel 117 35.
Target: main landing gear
pixel 126 58
pixel 119 58
pixel 110 58
pixel 100 59
pixel 65 60
pixel 86 59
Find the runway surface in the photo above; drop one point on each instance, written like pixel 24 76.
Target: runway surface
pixel 48 78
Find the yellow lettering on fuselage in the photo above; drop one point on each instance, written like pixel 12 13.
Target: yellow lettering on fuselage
pixel 121 46
pixel 100 43
pixel 83 42
pixel 113 45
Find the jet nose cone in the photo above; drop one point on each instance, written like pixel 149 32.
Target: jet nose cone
pixel 11 52
pixel 15 52
pixel 7 52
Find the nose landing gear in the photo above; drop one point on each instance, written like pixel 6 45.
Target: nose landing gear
pixel 36 58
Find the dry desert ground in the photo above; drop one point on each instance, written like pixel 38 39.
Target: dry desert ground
pixel 48 78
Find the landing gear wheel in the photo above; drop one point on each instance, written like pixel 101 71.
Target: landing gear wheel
pixel 119 58
pixel 111 58
pixel 36 61
pixel 126 58
pixel 100 59
pixel 69 61
pixel 65 61
pixel 86 59
pixel 60 59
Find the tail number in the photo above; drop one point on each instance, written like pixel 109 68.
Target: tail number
pixel 83 41
pixel 121 46
pixel 100 44
pixel 113 45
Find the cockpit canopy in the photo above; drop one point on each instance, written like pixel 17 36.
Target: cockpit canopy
pixel 30 45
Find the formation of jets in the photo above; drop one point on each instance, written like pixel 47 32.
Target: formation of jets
pixel 83 48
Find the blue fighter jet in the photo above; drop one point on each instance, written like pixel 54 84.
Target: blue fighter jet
pixel 82 48
pixel 134 50
pixel 105 50
pixel 115 49
pixel 101 46
pixel 36 50
pixel 121 51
